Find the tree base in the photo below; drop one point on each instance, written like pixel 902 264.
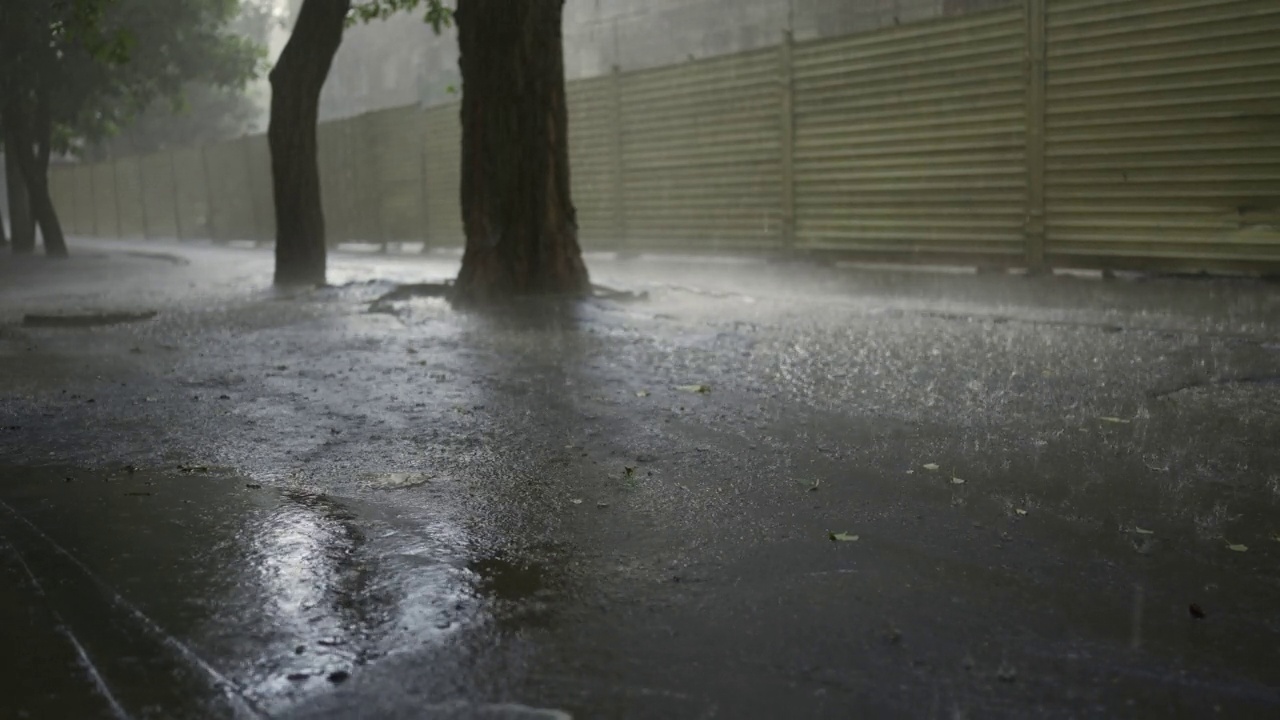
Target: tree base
pixel 493 276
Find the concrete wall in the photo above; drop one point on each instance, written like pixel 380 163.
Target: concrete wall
pixel 401 62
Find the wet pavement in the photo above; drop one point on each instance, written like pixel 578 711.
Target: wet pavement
pixel 757 491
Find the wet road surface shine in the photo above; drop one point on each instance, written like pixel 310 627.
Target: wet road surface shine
pixel 332 512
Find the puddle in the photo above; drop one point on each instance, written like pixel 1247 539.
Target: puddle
pixel 508 580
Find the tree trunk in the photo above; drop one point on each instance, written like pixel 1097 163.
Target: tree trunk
pixel 296 82
pixel 522 234
pixel 33 166
pixel 21 225
pixel 55 243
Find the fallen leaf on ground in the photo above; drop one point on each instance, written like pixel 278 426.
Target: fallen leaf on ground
pixel 842 537
pixel 698 389
pixel 1115 420
pixel 814 486
pixel 1143 531
pixel 642 393
pixel 1276 537
pixel 957 481
pixel 1020 511
pixel 1238 548
pixel 576 501
pixel 932 467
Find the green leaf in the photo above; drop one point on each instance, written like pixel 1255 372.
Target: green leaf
pixel 1238 548
pixel 842 537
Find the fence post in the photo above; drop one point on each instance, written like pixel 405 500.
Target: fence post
pixel 619 180
pixel 142 198
pixel 93 202
pixel 1035 71
pixel 787 141
pixel 209 225
pixel 255 216
pixel 115 183
pixel 425 218
pixel 177 203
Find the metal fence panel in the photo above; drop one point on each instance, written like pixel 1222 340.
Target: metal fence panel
pixel 62 190
pixel 1163 142
pixel 912 140
pixel 397 147
pixel 159 210
pixel 337 183
pixel 361 168
pixel 1053 132
pixel 81 221
pixel 258 159
pixel 191 195
pixel 231 215
pixel 701 154
pixel 442 133
pixel 106 223
pixel 127 179
pixel 594 160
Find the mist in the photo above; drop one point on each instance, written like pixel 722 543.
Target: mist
pixel 686 359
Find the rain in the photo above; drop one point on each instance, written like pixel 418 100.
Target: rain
pixel 688 359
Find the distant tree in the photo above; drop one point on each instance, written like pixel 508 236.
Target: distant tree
pixel 74 72
pixel 22 227
pixel 205 110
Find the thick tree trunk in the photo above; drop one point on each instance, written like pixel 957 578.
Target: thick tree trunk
pixel 296 82
pixel 34 169
pixel 21 225
pixel 522 234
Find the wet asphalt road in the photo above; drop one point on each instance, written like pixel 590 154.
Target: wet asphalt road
pixel 284 504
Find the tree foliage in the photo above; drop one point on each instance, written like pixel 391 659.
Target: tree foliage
pixel 435 13
pixel 204 110
pixel 101 62
pixel 73 71
pixel 171 47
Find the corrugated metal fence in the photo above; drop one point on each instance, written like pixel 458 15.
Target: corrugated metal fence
pixel 1105 133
